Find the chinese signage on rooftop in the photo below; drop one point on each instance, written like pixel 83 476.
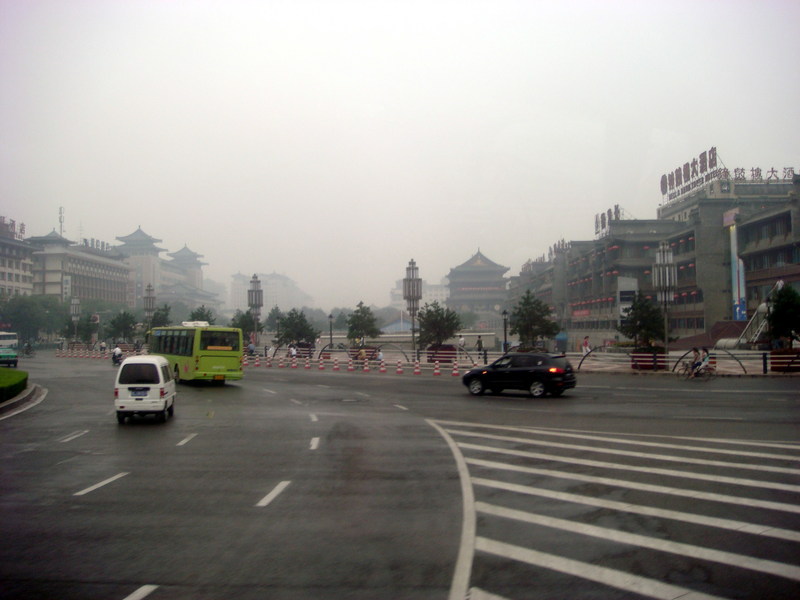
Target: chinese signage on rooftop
pixel 703 168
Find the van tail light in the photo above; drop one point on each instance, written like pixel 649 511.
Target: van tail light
pixel 116 393
pixel 162 392
pixel 556 370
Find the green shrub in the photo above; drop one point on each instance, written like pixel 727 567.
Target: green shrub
pixel 12 382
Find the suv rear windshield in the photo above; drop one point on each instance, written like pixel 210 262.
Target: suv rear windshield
pixel 144 373
pixel 559 361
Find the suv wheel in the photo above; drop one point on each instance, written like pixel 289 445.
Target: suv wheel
pixel 475 386
pixel 537 389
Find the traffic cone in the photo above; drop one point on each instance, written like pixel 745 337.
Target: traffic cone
pixel 280 363
pixel 268 362
pixel 417 370
pixel 350 366
pixel 308 363
pixel 382 368
pixel 294 362
pixel 399 367
pixel 321 364
pixel 366 366
pixel 335 364
pixel 455 372
pixel 436 370
pixel 258 360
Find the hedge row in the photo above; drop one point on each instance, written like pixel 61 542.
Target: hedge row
pixel 12 382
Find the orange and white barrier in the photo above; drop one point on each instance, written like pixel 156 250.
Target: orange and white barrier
pixel 382 368
pixel 308 363
pixel 455 372
pixel 417 370
pixel 335 364
pixel 436 370
pixel 321 364
pixel 399 367
pixel 350 366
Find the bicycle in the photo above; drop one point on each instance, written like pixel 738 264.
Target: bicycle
pixel 684 371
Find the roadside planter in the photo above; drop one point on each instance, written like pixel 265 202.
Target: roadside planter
pixel 648 360
pixel 784 361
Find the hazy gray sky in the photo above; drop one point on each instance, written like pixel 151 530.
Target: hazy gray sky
pixel 332 141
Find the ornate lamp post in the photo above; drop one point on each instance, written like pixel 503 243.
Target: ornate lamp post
pixel 255 300
pixel 75 313
pixel 149 304
pixel 505 330
pixel 665 278
pixel 330 328
pixel 412 293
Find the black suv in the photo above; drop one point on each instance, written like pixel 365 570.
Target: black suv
pixel 533 371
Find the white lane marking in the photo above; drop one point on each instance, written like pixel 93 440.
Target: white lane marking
pixel 296 401
pixel 142 592
pixel 644 487
pixel 323 385
pixel 637 440
pixel 617 579
pixel 649 456
pixel 461 574
pixel 101 484
pixel 25 406
pixel 273 494
pixel 650 511
pixel 269 391
pixel 769 485
pixel 73 435
pixel 313 418
pixel 362 394
pixel 186 440
pixel 400 406
pixel 314 443
pixel 739 561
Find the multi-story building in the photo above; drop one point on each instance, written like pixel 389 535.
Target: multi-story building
pixel 726 236
pixel 16 260
pixel 177 280
pixel 89 271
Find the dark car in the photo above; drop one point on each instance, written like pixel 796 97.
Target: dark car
pixel 538 373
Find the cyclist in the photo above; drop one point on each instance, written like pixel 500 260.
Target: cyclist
pixel 704 358
pixel 696 361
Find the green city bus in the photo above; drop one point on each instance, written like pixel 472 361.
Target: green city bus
pixel 198 351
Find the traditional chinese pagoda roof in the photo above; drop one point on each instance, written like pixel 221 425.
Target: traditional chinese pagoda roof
pixel 139 242
pixel 50 238
pixel 479 263
pixel 184 256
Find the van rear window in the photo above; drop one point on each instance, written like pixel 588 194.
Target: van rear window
pixel 135 374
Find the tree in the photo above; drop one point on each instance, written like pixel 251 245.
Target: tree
pixel 294 327
pixel 122 325
pixel 161 317
pixel 273 318
pixel 784 314
pixel 643 321
pixel 436 324
pixel 361 324
pixel 530 320
pixel 245 322
pixel 30 315
pixel 201 313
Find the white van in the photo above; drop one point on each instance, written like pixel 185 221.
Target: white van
pixel 144 386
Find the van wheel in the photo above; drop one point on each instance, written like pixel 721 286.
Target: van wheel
pixel 171 409
pixel 162 416
pixel 121 418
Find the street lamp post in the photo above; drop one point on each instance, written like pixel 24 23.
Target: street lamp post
pixel 149 304
pixel 330 329
pixel 412 293
pixel 255 300
pixel 505 331
pixel 75 313
pixel 664 281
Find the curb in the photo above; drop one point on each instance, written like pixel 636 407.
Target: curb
pixel 20 399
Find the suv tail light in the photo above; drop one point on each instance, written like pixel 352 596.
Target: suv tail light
pixel 162 392
pixel 556 370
